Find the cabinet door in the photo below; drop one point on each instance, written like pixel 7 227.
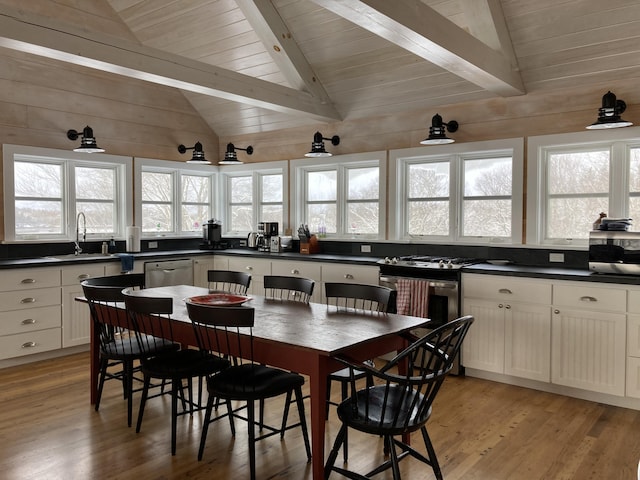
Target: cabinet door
pixel 528 341
pixel 76 320
pixel 257 267
pixel 483 347
pixel 201 265
pixel 588 350
pixel 312 270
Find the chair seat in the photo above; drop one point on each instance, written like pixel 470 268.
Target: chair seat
pixel 249 381
pixel 185 363
pixel 401 416
pixel 127 347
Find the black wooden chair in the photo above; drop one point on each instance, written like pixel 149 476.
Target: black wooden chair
pixel 229 281
pixel 230 329
pixel 118 345
pixel 293 289
pixel 401 402
pixel 297 289
pixel 152 315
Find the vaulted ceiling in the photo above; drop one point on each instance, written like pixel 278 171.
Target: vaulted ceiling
pixel 254 66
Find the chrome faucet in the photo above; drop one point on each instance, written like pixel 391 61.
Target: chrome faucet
pixel 77 249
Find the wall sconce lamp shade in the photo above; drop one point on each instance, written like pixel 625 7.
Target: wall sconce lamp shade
pixel 198 154
pixel 88 142
pixel 609 113
pixel 231 157
pixel 437 131
pixel 317 147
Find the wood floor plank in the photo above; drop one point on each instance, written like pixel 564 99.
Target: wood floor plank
pixel 481 431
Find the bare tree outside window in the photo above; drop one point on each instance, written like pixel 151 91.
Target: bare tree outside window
pixel 271 204
pixel 322 195
pixel 195 204
pixel 38 189
pixel 241 203
pixel 363 192
pixel 157 202
pixel 427 198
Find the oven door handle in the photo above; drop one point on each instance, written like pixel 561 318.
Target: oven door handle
pixel 385 280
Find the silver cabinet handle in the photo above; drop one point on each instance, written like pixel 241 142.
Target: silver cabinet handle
pixel 500 305
pixel 508 307
pixel 505 290
pixel 28 345
pixel 28 300
pixel 84 276
pixel 28 280
pixel 28 321
pixel 348 276
pixel 249 267
pixel 295 271
pixel 588 298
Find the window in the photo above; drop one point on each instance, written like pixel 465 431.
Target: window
pixel 175 198
pixel 457 193
pixel 45 189
pixel 342 198
pixel 574 177
pixel 253 193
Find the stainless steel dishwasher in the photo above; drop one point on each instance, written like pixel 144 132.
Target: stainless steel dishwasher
pixel 168 272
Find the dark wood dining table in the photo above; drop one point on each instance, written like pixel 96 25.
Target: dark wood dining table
pixel 299 337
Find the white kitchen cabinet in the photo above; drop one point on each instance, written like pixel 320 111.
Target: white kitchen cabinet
pixel 633 343
pixel 76 320
pixel 300 269
pixel 257 267
pixel 589 337
pixel 348 273
pixel 512 327
pixel 115 268
pixel 30 314
pixel 201 265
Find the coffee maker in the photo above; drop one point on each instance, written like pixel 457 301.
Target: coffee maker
pixel 212 235
pixel 266 230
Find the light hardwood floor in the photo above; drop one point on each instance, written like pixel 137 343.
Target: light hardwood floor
pixel 481 431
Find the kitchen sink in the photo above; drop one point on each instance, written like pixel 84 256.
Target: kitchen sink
pixel 72 256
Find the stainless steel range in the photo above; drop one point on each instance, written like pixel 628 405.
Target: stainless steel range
pixel 443 275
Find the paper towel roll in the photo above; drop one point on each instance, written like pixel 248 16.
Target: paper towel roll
pixel 133 239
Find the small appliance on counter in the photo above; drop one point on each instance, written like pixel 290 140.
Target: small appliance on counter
pixel 212 236
pixel 266 230
pixel 614 252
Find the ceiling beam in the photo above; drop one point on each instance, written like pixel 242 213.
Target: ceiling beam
pixel 421 30
pixel 285 52
pixel 44 37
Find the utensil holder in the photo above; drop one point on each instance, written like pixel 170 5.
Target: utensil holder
pixel 311 247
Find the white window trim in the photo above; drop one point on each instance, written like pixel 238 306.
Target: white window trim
pixel 254 170
pixel 84 159
pixel 167 166
pixel 369 159
pixel 619 140
pixel 460 151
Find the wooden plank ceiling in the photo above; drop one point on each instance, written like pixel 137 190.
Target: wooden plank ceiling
pixel 254 66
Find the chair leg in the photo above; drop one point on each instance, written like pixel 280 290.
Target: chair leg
pixel 175 387
pixel 252 438
pixel 285 414
pixel 303 420
pixel 395 467
pixel 333 455
pixel 432 454
pixel 103 374
pixel 127 381
pixel 205 426
pixel 143 401
pixel 261 417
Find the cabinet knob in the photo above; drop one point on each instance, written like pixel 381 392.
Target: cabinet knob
pixel 295 271
pixel 28 321
pixel 83 276
pixel 508 307
pixel 348 276
pixel 28 345
pixel 249 267
pixel 500 305
pixel 505 290
pixel 556 311
pixel 28 300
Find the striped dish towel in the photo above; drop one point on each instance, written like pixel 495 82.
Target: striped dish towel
pixel 412 297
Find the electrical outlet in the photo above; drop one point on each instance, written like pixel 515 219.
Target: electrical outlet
pixel 556 257
pixel 243 243
pixel 153 244
pixel 365 248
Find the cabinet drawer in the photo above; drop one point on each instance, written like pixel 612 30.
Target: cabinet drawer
pixel 340 273
pixel 633 300
pixel 507 289
pixel 296 269
pixel 591 298
pixel 255 266
pixel 21 321
pixel 22 279
pixel 41 297
pixel 74 274
pixel 29 343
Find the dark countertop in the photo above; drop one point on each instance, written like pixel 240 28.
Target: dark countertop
pixel 553 273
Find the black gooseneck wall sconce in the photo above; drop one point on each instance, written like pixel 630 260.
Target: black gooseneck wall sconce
pixel 198 154
pixel 437 131
pixel 231 157
pixel 317 147
pixel 609 113
pixel 88 142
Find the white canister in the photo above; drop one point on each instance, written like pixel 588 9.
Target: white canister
pixel 133 239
